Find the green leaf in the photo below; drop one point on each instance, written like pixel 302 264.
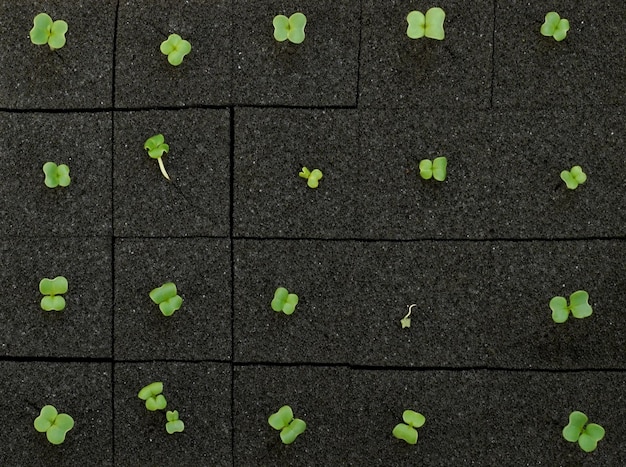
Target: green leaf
pixel 176 426
pixel 64 421
pixel 53 303
pixel 55 286
pixel 282 418
pixel 560 311
pixel 595 431
pixel 406 433
pixel 304 173
pixel 57 35
pixel 289 434
pixel 297 22
pixel 434 23
pixel 578 174
pixel 163 293
pixel 414 419
pixel 574 428
pixel 281 28
pixel 417 24
pixel 152 389
pixel 587 443
pixel 42 25
pixel 439 168
pixel 579 304
pixel 168 307
pixel 156 403
pixel 63 174
pixel 56 435
pixel 46 418
pixel 551 21
pixel 426 169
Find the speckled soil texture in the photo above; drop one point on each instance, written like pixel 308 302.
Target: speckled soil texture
pixel 480 254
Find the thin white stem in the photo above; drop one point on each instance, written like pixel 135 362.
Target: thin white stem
pixel 162 167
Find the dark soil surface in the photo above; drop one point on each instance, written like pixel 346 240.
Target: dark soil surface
pixel 480 254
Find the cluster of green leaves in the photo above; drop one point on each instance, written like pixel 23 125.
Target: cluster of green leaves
pixel 289 427
pixel 291 28
pixel 175 47
pixel 312 177
pixel 167 298
pixel 45 31
pixel 578 306
pixel 56 175
pixel 574 177
pixel 153 397
pixel 155 400
pixel 587 435
pixel 156 147
pixel 174 424
pixel 554 26
pixel 436 169
pixel 429 25
pixel 52 288
pixel 284 301
pixel 407 430
pixel 55 425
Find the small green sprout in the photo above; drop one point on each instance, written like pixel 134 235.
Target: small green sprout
pixel 173 425
pixel 153 397
pixel 555 27
pixel 156 147
pixel 284 301
pixel 51 288
pixel 175 47
pixel 429 25
pixel 407 430
pixel 436 168
pixel 167 298
pixel 587 435
pixel 579 306
pixel 574 177
pixel 312 177
pixel 47 32
pixel 291 28
pixel 55 425
pixel 406 321
pixel 289 427
pixel 56 175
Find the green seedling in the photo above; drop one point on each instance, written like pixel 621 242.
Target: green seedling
pixel 284 301
pixel 153 397
pixel 587 435
pixel 56 175
pixel 45 31
pixel 436 168
pixel 312 177
pixel 55 425
pixel 52 288
pixel 406 321
pixel 156 147
pixel 175 47
pixel 574 177
pixel 173 425
pixel 429 25
pixel 555 27
pixel 167 298
pixel 291 28
pixel 407 430
pixel 578 306
pixel 289 427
